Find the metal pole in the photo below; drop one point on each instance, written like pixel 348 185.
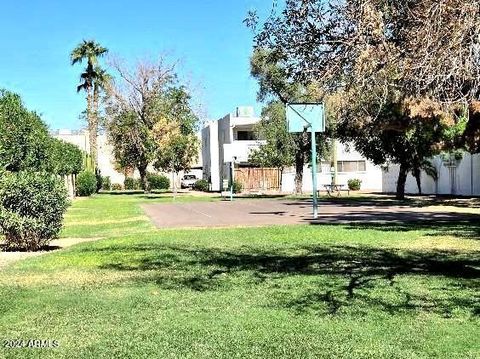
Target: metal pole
pixel 314 173
pixel 335 163
pixel 231 181
pixel 174 185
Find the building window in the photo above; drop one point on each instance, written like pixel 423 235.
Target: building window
pixel 246 136
pixel 351 166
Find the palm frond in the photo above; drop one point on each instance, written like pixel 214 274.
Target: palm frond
pixel 429 169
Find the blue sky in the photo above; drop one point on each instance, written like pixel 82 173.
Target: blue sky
pixel 208 36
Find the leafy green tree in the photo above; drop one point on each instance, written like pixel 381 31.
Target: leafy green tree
pixel 178 147
pixel 397 94
pixel 32 197
pixel 93 79
pixel 66 158
pixel 276 87
pixel 150 120
pixel 279 149
pixel 133 143
pixel 24 138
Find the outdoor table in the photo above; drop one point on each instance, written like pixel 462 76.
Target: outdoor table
pixel 335 189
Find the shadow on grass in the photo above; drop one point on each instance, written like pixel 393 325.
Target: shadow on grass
pixel 325 279
pixel 46 248
pixel 461 225
pixel 386 200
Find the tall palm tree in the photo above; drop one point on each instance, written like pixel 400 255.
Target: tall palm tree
pixel 101 81
pixel 90 51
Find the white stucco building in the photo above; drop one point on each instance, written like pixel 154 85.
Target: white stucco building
pixel 350 165
pixel 237 131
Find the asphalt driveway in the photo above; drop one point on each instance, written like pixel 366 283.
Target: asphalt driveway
pixel 261 212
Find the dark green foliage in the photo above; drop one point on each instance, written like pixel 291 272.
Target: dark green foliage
pixel 133 144
pixel 106 183
pixel 277 88
pixel 24 139
pixel 131 184
pixel 159 182
pixel 202 185
pixel 65 158
pixel 354 184
pixel 180 150
pixel 117 187
pixel 279 149
pixel 31 209
pixel 86 184
pixel 237 187
pixel 26 145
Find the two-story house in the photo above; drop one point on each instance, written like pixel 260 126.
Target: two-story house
pixel 237 131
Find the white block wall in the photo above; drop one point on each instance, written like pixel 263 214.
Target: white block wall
pixel 464 180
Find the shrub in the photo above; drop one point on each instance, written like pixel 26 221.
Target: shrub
pixel 32 206
pixel 354 184
pixel 117 187
pixel 86 184
pixel 201 185
pixel 66 158
pixel 156 181
pixel 237 187
pixel 24 140
pixel 106 183
pixel 131 183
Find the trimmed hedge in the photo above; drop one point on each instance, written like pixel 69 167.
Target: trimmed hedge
pixel 202 185
pixel 131 184
pixel 117 187
pixel 32 206
pixel 237 187
pixel 106 183
pixel 157 181
pixel 354 184
pixel 86 184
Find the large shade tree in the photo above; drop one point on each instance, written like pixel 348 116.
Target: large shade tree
pixel 150 121
pixel 277 88
pixel 93 80
pixel 175 136
pixel 397 94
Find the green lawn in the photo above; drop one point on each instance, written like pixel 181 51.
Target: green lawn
pixel 399 291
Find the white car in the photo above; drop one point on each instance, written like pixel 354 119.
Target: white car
pixel 188 181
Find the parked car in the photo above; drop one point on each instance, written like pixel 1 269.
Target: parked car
pixel 188 181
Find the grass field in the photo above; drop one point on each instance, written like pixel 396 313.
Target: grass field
pixel 350 291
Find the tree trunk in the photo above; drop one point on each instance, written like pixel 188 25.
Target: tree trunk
pixel 92 114
pixel 143 178
pixel 74 184
pixel 402 179
pixel 417 175
pixel 299 163
pixel 71 190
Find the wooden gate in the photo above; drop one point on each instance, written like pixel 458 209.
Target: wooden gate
pixel 258 179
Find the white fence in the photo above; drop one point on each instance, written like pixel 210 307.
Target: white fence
pixel 463 180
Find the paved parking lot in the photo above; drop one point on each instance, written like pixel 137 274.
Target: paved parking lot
pixel 260 212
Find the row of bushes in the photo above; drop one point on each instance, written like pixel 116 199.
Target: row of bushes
pixel 87 182
pixel 33 197
pixel 203 185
